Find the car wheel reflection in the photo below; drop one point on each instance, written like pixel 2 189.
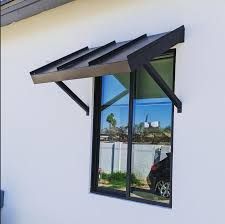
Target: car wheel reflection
pixel 163 188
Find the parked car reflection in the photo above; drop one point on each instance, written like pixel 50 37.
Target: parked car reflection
pixel 159 177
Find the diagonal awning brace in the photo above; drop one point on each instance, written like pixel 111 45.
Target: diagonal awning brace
pixel 162 84
pixel 68 91
pixel 112 58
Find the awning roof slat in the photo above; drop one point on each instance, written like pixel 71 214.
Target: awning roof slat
pixel 117 50
pixel 86 56
pixel 59 61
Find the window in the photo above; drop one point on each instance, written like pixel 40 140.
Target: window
pixel 133 135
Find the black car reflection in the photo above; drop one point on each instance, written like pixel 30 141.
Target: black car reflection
pixel 159 177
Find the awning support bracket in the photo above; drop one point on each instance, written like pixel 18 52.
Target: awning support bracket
pixel 68 91
pixel 162 84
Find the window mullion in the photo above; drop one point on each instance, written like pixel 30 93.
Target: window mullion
pixel 96 136
pixel 130 132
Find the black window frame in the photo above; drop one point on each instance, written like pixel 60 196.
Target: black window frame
pixel 96 142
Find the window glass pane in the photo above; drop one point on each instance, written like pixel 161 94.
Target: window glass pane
pixel 114 85
pixel 114 132
pixel 152 124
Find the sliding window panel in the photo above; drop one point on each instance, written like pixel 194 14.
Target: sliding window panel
pixel 112 170
pixel 152 135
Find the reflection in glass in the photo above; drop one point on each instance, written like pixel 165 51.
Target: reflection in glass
pixel 151 147
pixel 114 131
pixel 151 152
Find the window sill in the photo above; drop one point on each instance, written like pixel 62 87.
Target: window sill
pixel 121 195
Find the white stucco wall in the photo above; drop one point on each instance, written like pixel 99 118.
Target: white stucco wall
pixel 46 137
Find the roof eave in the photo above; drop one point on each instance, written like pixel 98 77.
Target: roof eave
pixel 13 11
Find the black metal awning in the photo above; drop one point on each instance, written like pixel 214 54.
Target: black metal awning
pixel 127 56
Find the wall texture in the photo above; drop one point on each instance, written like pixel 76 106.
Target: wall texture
pixel 46 138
